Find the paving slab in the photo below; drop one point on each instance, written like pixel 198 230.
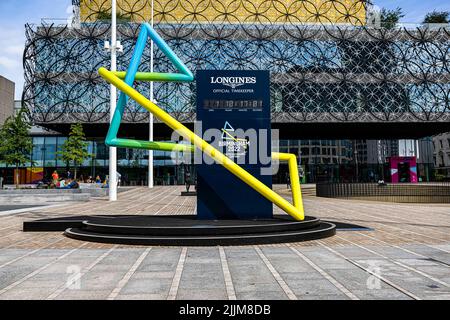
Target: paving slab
pixel 11 274
pixel 325 258
pixel 160 260
pixel 154 275
pixel 261 295
pixel 313 287
pixel 147 286
pixel 141 296
pixel 325 297
pixel 392 252
pixel 84 295
pixel 201 294
pixel 101 280
pixel 25 294
pixel 298 276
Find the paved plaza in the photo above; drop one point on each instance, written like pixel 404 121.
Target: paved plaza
pixel 404 255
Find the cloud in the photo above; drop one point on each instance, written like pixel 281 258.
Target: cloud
pixel 15 49
pixel 9 63
pixel 12 44
pixel 15 14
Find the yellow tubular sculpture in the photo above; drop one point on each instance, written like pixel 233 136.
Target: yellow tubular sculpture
pixel 293 175
pixel 296 210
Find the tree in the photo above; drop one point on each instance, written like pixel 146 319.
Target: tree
pixel 74 149
pixel 16 144
pixel 437 17
pixel 390 18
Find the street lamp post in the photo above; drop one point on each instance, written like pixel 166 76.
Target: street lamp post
pixel 150 152
pixel 356 160
pixel 113 100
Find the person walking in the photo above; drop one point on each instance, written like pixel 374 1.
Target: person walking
pixel 55 177
pixel 118 177
pixel 288 181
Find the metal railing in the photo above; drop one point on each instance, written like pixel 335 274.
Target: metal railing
pixel 433 192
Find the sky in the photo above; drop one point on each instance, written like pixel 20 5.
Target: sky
pixel 14 14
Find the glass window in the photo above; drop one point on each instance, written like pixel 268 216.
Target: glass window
pixel 50 152
pixel 38 151
pixel 316 151
pixel 60 141
pixel 122 156
pixel 102 150
pixel 88 161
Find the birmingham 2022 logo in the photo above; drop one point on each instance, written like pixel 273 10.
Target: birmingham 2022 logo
pixel 249 146
pixel 234 146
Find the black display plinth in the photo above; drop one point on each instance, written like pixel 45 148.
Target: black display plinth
pixel 185 230
pixel 188 193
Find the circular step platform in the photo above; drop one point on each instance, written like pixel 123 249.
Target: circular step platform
pixel 187 230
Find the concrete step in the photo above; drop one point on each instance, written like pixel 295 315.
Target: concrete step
pixel 43 198
pixel 39 191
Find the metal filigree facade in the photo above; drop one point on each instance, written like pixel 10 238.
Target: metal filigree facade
pixel 230 11
pixel 326 64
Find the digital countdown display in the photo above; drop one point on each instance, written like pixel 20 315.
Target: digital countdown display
pixel 233 104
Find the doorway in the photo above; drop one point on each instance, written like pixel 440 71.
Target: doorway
pixel 404 172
